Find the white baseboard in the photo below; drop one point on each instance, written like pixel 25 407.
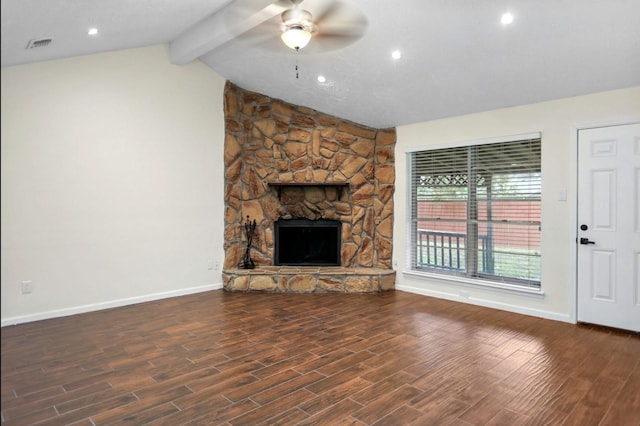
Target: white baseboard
pixel 106 305
pixel 488 304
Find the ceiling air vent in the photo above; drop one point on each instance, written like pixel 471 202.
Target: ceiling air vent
pixel 40 42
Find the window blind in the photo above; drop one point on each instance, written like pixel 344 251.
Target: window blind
pixel 476 211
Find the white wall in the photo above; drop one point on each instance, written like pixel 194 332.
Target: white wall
pixel 558 122
pixel 112 182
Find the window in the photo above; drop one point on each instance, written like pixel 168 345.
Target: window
pixel 475 212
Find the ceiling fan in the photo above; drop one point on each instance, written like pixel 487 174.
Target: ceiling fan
pixel 323 25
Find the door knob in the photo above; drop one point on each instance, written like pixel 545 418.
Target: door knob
pixel 586 241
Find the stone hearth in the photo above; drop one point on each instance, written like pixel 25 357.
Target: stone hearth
pixel 284 161
pixel 290 279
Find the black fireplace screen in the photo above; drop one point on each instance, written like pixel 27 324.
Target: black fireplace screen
pixel 306 242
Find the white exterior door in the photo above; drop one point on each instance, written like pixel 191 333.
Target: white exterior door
pixel 609 226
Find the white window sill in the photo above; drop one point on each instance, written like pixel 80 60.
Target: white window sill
pixel 477 283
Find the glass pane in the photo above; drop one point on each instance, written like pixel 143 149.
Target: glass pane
pixel 509 250
pixel 440 245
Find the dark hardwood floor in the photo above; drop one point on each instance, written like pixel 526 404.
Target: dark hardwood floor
pixel 394 358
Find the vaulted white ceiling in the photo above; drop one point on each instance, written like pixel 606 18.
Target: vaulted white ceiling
pixel 456 55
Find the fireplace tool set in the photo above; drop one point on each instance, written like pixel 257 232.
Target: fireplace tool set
pixel 249 229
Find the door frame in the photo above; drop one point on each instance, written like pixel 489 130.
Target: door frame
pixel 573 169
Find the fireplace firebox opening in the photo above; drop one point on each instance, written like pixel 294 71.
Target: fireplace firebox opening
pixel 304 242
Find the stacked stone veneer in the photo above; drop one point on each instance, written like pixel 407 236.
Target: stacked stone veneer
pixel 270 141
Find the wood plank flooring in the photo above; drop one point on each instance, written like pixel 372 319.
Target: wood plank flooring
pixel 393 358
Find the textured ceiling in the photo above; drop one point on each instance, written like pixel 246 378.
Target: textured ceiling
pixel 457 57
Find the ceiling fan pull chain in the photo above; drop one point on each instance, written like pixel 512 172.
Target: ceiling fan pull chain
pixel 297 51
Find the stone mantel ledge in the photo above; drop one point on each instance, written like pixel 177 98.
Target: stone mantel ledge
pixel 294 279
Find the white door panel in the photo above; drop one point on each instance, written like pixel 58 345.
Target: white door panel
pixel 604 275
pixel 609 226
pixel 603 190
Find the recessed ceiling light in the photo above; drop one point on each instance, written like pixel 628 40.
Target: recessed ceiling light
pixel 507 18
pixel 322 78
pixel 93 31
pixel 396 54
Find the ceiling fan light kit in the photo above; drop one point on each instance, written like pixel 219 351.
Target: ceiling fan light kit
pixel 296 37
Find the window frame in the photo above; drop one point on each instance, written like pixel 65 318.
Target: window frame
pixel 411 225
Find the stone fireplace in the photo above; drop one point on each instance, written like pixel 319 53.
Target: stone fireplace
pixel 289 167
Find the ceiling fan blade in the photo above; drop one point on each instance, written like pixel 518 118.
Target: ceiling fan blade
pixel 330 42
pixel 338 18
pixel 352 28
pixel 338 12
pixel 263 36
pixel 322 12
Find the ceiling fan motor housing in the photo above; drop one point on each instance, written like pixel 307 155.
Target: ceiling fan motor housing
pixel 297 18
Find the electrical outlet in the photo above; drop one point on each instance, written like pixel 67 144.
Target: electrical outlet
pixel 210 265
pixel 27 287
